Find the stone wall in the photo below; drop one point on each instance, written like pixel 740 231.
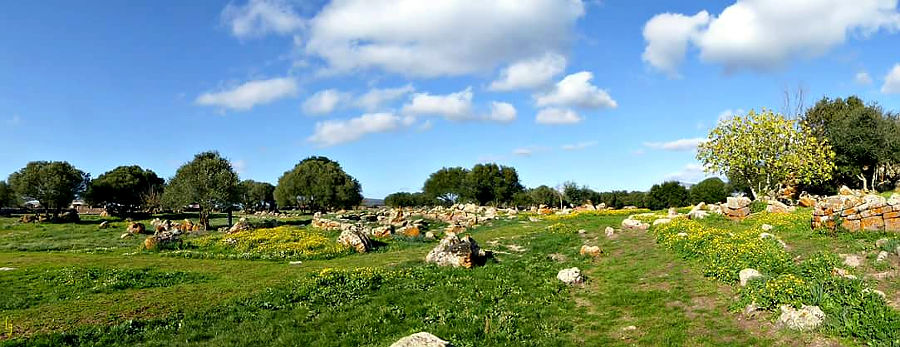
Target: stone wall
pixel 856 211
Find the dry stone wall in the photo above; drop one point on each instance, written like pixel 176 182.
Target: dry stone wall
pixel 856 211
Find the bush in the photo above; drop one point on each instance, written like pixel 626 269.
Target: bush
pixel 668 194
pixel 711 190
pixel 404 199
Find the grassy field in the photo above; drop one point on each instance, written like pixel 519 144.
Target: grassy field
pixel 74 284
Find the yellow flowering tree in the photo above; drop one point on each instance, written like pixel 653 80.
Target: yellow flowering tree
pixel 767 151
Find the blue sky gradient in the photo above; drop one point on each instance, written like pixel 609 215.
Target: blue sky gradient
pixel 108 83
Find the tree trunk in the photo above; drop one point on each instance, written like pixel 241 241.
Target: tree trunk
pixel 204 219
pixel 229 218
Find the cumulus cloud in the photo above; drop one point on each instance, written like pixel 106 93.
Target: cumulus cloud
pixel 250 94
pixel 579 146
pixel 502 112
pixel 576 90
pixel 862 78
pixel 260 17
pixel 892 81
pixel 765 34
pixel 335 132
pixel 667 37
pixel 557 116
pixel 677 145
pixel 531 73
pixel 453 106
pixel 439 37
pixel 324 101
pixel 375 97
pixel 691 173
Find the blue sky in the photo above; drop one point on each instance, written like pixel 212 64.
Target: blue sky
pixel 610 94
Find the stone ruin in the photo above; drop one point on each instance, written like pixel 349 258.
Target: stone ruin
pixel 856 211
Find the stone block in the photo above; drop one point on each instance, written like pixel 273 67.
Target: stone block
pixel 872 223
pixel 852 225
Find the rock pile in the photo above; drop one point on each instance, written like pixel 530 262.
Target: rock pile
pixel 736 208
pixel 856 211
pixel 457 252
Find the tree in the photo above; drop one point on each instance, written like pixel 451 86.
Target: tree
pixel 7 196
pixel 257 196
pixel 208 181
pixel 54 184
pixel 579 196
pixel 544 195
pixel 711 190
pixel 668 194
pixel 492 183
pixel 447 184
pixel 767 151
pixel 404 199
pixel 318 183
pixel 122 189
pixel 865 140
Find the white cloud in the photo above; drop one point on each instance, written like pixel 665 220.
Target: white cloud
pixel 240 166
pixel 334 132
pixel 453 106
pixel 766 34
pixel 530 73
pixel 576 90
pixel 892 81
pixel 667 37
pixel 502 112
pixel 729 113
pixel 557 116
pixel 324 101
pixel 374 98
pixel 439 37
pixel 862 78
pixel 250 94
pixel 579 146
pixel 523 152
pixel 261 17
pixel 677 145
pixel 691 173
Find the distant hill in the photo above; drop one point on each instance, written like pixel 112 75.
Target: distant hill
pixel 373 202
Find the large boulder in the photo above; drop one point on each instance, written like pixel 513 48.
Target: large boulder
pixel 746 275
pixel 775 206
pixel 570 276
pixel 136 228
pixel 421 339
pixel 634 224
pixel 241 225
pixel 805 319
pixel 355 239
pixel 698 212
pixel 736 207
pixel 457 252
pixel 163 240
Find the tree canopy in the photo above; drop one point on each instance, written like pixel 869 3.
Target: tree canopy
pixel 404 199
pixel 7 196
pixel 667 194
pixel 122 189
pixel 318 183
pixel 711 190
pixel 447 184
pixel 257 196
pixel 865 140
pixel 544 195
pixel 767 151
pixel 577 196
pixel 55 184
pixel 208 180
pixel 492 183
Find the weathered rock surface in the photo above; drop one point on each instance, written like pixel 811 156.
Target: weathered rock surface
pixel 610 231
pixel 355 239
pixel 591 251
pixel 805 319
pixel 746 275
pixel 570 276
pixel 421 339
pixel 136 228
pixel 634 224
pixel 457 252
pixel 241 225
pixel 736 207
pixel 855 211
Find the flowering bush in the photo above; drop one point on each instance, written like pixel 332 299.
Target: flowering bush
pixel 595 213
pixel 285 242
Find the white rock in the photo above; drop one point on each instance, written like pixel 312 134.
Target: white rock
pixel 629 328
pixel 804 319
pixel 634 224
pixel 421 339
pixel 764 236
pixel 697 212
pixel 748 274
pixel 570 276
pixel 882 256
pixel 7 268
pixel 852 260
pixel 681 234
pixel 582 231
pixel 662 221
pixel 534 219
pixel 610 231
pixel 767 227
pixel 881 242
pixel 875 291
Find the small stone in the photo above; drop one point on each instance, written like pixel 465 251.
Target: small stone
pixel 882 256
pixel 297 262
pixel 805 319
pixel 610 232
pixel 875 291
pixel 570 276
pixel 767 227
pixel 682 234
pixel 7 268
pixel 534 219
pixel 356 240
pixel 629 328
pixel 881 242
pixel 592 251
pixel 662 221
pixel 126 235
pixel 104 225
pixel 746 275
pixel 852 260
pixel 582 231
pixel 633 224
pixel 421 339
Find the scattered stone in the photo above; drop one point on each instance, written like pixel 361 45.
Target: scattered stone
pixel 430 236
pixel 767 227
pixel 806 200
pixel 582 231
pixel 844 190
pixel 750 309
pixel 104 225
pixel 457 252
pixel 557 257
pixel 592 251
pixel 662 221
pixel 69 217
pixel 570 276
pixel 805 319
pixel 28 219
pixel 736 208
pixel 383 231
pixel 126 235
pixel 421 339
pixel 629 328
pixel 163 240
pixel 775 206
pixel 296 262
pixel 534 219
pixel 610 231
pixel 881 242
pixel 136 228
pixel 746 275
pixel 882 256
pixel 697 212
pixel 634 224
pixel 410 231
pixel 672 212
pixel 842 273
pixel 853 260
pixel 356 240
pixel 876 292
pixel 7 268
pixel 682 234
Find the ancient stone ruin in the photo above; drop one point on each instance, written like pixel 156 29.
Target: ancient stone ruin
pixel 856 211
pixel 457 252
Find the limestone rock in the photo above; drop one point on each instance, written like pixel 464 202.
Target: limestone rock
pixel 610 231
pixel 136 228
pixel 410 231
pixel 457 252
pixel 104 225
pixel 767 227
pixel 570 276
pixel 736 207
pixel 421 339
pixel 748 274
pixel 355 239
pixel 882 256
pixel 634 224
pixel 697 212
pixel 662 221
pixel 778 207
pixel 163 240
pixel 805 319
pixel 853 260
pixel 844 190
pixel 241 225
pixel 591 251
